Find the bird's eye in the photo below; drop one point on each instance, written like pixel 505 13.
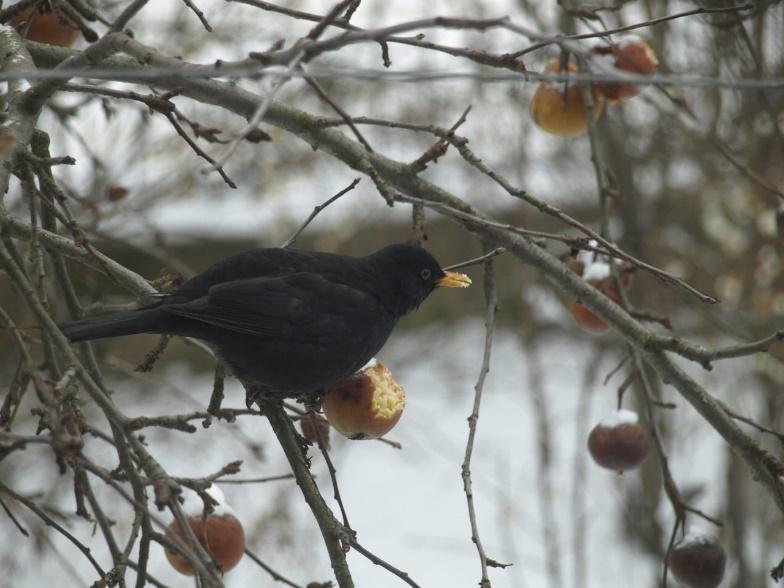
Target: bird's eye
pixel 425 273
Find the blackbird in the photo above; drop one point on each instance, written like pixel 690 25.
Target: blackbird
pixel 287 321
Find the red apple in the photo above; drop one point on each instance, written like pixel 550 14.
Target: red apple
pixel 366 405
pixel 557 107
pixel 43 25
pixel 630 54
pixel 587 319
pixel 698 561
pixel 220 533
pixel 619 442
pixel 598 274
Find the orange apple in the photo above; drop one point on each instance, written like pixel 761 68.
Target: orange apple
pixel 630 54
pixel 557 107
pixel 366 405
pixel 43 25
pixel 619 442
pixel 698 561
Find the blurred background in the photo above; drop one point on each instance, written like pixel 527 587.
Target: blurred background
pixel 681 204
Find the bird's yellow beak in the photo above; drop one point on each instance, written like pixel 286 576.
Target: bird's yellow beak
pixel 454 280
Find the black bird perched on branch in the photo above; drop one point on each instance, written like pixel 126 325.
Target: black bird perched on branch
pixel 286 321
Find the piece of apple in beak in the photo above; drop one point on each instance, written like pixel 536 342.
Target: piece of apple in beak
pixel 454 280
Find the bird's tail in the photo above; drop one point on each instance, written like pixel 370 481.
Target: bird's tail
pixel 146 320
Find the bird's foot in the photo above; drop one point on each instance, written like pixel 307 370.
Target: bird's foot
pixel 312 400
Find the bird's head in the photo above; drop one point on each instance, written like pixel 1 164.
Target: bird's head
pixel 412 273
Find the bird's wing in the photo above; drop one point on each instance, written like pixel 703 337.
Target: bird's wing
pixel 302 306
pixel 256 263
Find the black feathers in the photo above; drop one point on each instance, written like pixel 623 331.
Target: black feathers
pixel 284 320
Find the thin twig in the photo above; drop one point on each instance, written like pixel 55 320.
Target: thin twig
pixel 706 356
pixel 199 14
pixel 257 116
pixel 199 151
pixel 317 210
pixel 100 516
pixel 440 147
pixel 492 301
pixel 477 260
pixel 550 210
pixel 337 108
pixel 615 370
pixel 675 525
pixel 275 575
pixel 14 520
pixel 626 28
pixel 609 248
pixel 258 480
pixel 126 15
pixel 756 425
pixel 51 523
pixel 180 422
pixel 293 65
pixel 323 445
pixel 384 564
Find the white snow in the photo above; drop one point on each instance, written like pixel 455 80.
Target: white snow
pixel 604 61
pixel 628 39
pixel 598 270
pixel 595 268
pixel 587 256
pixel 695 537
pixel 620 417
pixel 193 506
pixel 372 363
